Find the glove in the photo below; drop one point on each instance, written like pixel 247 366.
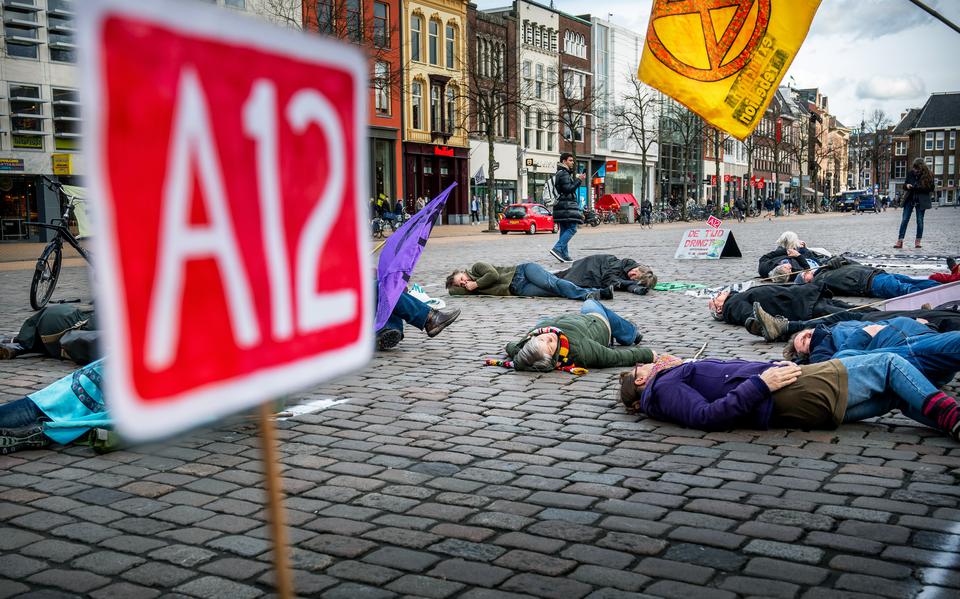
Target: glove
pixel 639 290
pixel 836 262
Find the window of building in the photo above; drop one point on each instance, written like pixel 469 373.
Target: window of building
pixel 900 148
pixel 539 143
pixel 26 117
pixel 436 109
pixel 552 84
pixel 451 45
pixel 538 85
pixel 354 16
pixel 900 169
pixel 416 37
pixel 381 87
pixel 537 36
pixel 416 106
pixel 527 128
pixel 573 127
pixel 433 42
pixel 63 7
pixel 938 165
pixel 21 29
pixel 953 140
pixel 951 164
pixel 60 30
pixel 928 141
pixel 503 119
pixel 451 109
pixel 326 17
pixel 928 160
pixel 939 141
pixel 66 119
pixel 381 25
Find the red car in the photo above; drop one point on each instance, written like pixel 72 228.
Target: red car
pixel 528 218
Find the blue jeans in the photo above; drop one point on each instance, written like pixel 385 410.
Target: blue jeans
pixel 533 280
pixel 567 231
pixel 886 285
pixel 937 357
pixel 21 413
pixel 410 310
pixel 907 210
pixel 880 382
pixel 623 331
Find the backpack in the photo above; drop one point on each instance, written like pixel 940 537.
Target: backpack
pixel 549 195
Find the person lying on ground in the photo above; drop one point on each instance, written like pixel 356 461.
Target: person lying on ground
pixel 575 342
pixel 716 395
pixel 844 276
pixel 605 270
pixel 777 328
pixel 795 302
pixel 417 314
pixel 59 413
pixel 791 251
pixel 952 277
pixel 525 280
pixel 62 331
pixel 933 353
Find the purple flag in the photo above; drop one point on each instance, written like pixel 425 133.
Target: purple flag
pixel 400 254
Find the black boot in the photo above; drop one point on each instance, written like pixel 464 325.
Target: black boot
pixel 9 351
pixel 388 339
pixel 439 320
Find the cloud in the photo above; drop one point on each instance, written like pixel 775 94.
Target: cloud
pixel 882 87
pixel 869 19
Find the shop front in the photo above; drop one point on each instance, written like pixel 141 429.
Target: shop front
pixel 429 169
pixel 384 157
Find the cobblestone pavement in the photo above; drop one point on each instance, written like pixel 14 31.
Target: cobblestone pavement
pixel 441 478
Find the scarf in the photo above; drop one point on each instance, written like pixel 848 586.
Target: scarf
pixel 663 362
pixel 564 361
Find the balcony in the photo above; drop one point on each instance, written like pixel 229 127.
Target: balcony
pixel 10 19
pixel 62 45
pixel 20 5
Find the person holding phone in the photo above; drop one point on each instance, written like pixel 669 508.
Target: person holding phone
pixel 566 212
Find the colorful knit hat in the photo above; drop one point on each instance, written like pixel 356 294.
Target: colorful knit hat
pixel 564 361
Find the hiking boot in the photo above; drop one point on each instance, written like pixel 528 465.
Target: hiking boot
pixel 388 339
pixel 898 245
pixel 557 255
pixel 9 351
pixel 753 326
pixel 601 294
pixel 439 320
pixel 772 327
pixel 26 437
pixel 638 339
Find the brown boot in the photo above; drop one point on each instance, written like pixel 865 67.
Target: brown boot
pixel 916 244
pixel 771 327
pixel 439 320
pixel 898 245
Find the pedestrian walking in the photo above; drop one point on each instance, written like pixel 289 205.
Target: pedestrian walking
pixel 566 211
pixel 919 184
pixel 420 203
pixel 474 210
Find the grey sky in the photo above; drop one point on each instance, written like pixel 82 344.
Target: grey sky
pixel 864 54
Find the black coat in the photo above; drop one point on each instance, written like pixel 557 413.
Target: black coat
pixel 567 207
pixel 601 270
pixel 851 278
pixel 773 259
pixel 794 302
pixel 919 196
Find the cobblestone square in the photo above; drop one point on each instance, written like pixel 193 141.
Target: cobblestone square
pixel 438 477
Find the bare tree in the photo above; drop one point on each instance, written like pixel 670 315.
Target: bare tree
pixel 718 139
pixel 880 140
pixel 773 139
pixel 750 145
pixel 288 13
pixel 638 117
pixel 685 129
pixel 799 148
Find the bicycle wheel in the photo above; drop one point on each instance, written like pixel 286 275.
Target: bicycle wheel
pixel 46 274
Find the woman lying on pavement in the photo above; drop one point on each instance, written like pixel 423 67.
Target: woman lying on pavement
pixel 575 342
pixel 716 395
pixel 525 280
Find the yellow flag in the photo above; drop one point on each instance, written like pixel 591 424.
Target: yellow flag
pixel 724 59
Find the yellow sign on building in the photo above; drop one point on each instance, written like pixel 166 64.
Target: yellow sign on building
pixel 62 164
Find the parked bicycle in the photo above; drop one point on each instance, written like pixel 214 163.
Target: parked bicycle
pixel 47 272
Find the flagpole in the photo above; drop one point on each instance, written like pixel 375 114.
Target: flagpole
pixel 937 15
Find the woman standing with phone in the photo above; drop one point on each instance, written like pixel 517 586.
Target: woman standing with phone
pixel 919 184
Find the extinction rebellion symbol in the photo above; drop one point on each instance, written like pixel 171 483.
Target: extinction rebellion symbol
pixel 732 30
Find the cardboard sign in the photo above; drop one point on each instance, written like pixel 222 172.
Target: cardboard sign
pixel 707 244
pixel 227 162
pixel 714 222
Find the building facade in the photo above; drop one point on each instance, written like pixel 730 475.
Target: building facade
pixel 375 26
pixel 40 123
pixel 900 143
pixel 492 46
pixel 934 139
pixel 576 93
pixel 616 58
pixel 435 146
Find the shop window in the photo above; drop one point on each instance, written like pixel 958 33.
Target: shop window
pixel 66 119
pixel 26 117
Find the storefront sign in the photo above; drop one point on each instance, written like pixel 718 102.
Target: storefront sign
pixel 11 164
pixel 707 244
pixel 62 164
pixel 29 142
pixel 443 151
pixel 529 162
pixel 612 166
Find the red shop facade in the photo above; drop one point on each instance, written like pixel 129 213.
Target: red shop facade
pixel 429 169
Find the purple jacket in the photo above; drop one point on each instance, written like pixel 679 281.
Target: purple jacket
pixel 711 395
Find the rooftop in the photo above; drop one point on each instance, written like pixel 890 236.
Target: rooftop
pixel 941 110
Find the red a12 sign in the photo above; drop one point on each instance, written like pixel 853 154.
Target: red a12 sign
pixel 227 164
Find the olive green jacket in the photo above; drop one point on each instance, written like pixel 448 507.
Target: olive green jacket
pixel 491 280
pixel 589 338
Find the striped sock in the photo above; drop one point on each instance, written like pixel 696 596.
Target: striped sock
pixel 944 410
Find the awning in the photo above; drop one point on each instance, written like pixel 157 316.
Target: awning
pixel 613 201
pixel 810 191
